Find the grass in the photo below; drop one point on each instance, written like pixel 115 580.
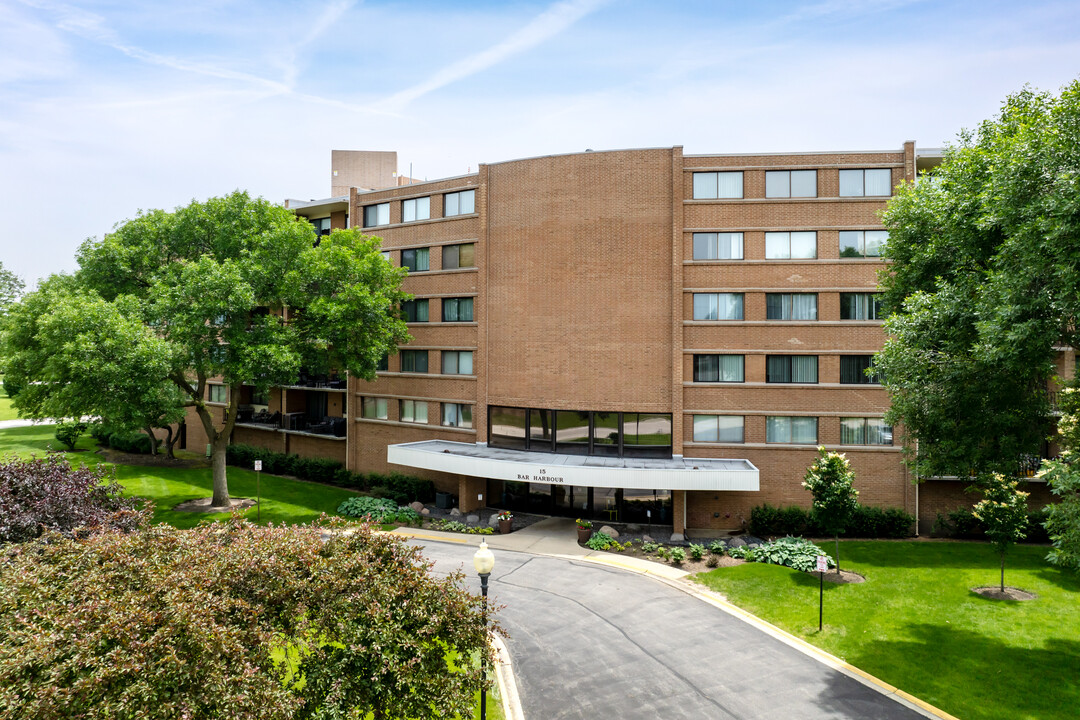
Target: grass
pixel 916 624
pixel 7 412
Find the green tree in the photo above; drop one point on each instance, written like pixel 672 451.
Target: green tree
pixel 238 621
pixel 1003 513
pixel 233 288
pixel 984 286
pixel 11 287
pixel 1063 477
pixel 830 480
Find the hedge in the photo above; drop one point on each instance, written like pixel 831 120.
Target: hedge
pixel 402 489
pixel 868 522
pixel 961 524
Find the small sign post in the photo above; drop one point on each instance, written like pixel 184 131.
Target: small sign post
pixel 258 492
pixel 822 568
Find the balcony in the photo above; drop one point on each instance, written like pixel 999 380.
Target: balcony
pixel 322 381
pixel 296 422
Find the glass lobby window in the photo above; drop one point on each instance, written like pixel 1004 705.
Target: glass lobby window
pixel 860 306
pixel 414 411
pixel 459 256
pixel 459 203
pixel 541 430
pixel 790 183
pixel 787 245
pixel 414 361
pixel 860 183
pixel 791 368
pixel 414 310
pixel 415 209
pixel 572 432
pixel 794 430
pixel 605 433
pixel 718 246
pixel 507 427
pixel 718 306
pixel 374 408
pixel 862 243
pixel 791 306
pixel 375 215
pixel 415 260
pixel 718 368
pixel 457 362
pixel 853 370
pixel 864 431
pixel 718 185
pixel 457 415
pixel 718 428
pixel 646 435
pixel 457 310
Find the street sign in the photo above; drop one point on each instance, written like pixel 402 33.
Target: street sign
pixel 822 564
pixel 258 466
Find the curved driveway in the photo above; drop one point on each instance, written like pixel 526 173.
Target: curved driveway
pixel 589 641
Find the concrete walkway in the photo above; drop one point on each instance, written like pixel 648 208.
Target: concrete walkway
pixel 5 424
pixel 596 635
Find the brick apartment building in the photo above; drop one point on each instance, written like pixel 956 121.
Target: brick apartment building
pixel 634 335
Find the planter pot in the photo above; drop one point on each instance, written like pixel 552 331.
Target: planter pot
pixel 505 526
pixel 583 534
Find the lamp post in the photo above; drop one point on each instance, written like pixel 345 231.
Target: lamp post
pixel 483 561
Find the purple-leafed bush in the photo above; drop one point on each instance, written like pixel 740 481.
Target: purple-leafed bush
pixel 47 494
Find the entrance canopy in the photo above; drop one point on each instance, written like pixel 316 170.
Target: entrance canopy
pixel 583 470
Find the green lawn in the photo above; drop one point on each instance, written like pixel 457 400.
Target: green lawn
pixel 7 412
pixel 915 623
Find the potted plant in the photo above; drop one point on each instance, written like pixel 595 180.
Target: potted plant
pixel 584 530
pixel 506 521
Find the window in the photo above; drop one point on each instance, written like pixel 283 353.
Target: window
pixel 457 362
pixel 459 256
pixel 457 310
pixel 374 408
pixel 375 215
pixel 414 411
pixel 717 185
pixel 718 246
pixel 507 427
pixel 384 363
pixel 859 183
pixel 791 306
pixel 414 310
pixel 646 435
pixel 795 430
pixel 216 393
pixel 718 306
pixel 853 370
pixel 414 361
pixel 385 255
pixel 718 368
pixel 785 245
pixel 791 368
pixel 459 203
pixel 860 306
pixel 415 260
pixel 415 209
pixel 321 225
pixel 862 243
pixel 457 415
pixel 864 431
pixel 580 432
pixel 790 183
pixel 718 428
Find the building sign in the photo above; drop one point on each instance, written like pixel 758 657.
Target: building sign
pixel 541 476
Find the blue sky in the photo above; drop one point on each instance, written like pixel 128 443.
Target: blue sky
pixel 108 107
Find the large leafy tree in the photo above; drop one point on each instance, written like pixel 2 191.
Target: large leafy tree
pixel 984 284
pixel 233 288
pixel 1063 477
pixel 11 287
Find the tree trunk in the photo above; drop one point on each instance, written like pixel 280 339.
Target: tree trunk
pixel 170 440
pixel 217 463
pixel 153 439
pixel 837 538
pixel 1002 571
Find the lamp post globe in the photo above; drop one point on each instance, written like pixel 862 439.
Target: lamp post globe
pixel 484 562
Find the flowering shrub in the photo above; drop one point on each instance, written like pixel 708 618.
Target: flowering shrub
pixel 47 494
pixel 505 515
pixel 222 620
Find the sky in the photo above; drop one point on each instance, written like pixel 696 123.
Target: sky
pixel 108 108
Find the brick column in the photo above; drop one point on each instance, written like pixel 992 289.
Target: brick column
pixel 678 510
pixel 469 490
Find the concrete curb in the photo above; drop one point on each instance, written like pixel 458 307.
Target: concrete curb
pixel 504 674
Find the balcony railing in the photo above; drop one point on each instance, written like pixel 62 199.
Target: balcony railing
pixel 320 380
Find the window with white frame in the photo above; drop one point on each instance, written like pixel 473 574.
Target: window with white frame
pixel 790 183
pixel 718 185
pixel 459 256
pixel 791 368
pixel 865 431
pixel 718 306
pixel 413 411
pixel 861 306
pixel 415 209
pixel 375 215
pixel 793 430
pixel 862 243
pixel 718 428
pixel 718 368
pixel 718 246
pixel 457 415
pixel 457 362
pixel 457 309
pixel 791 306
pixel 416 260
pixel 216 393
pixel 374 408
pixel 459 203
pixel 865 183
pixel 791 245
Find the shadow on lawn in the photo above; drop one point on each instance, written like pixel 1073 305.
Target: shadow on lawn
pixel 943 665
pixel 974 555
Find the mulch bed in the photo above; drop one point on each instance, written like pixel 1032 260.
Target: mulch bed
pixel 202 505
pixel 1011 593
pixel 159 460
